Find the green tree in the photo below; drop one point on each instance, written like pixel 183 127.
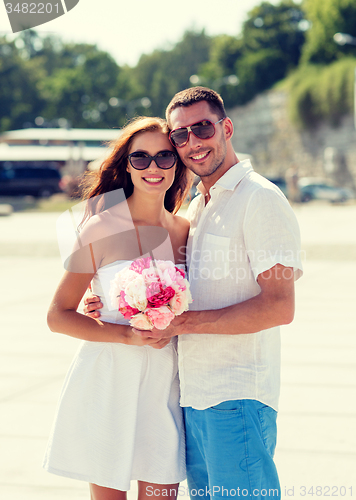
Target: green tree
pixel 163 73
pixel 80 89
pixel 259 71
pixel 20 100
pixel 48 78
pixel 225 51
pixel 322 93
pixel 277 27
pixel 269 47
pixel 273 37
pixel 328 17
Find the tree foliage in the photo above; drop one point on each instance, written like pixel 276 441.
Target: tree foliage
pixel 322 93
pixel 276 27
pixel 269 47
pixel 45 77
pixel 19 96
pixel 326 18
pixel 81 90
pixel 165 72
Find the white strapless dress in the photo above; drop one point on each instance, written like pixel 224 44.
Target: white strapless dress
pixel 118 417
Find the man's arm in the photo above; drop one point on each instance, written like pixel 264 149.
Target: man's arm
pixel 273 306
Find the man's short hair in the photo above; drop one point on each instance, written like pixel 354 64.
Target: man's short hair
pixel 193 95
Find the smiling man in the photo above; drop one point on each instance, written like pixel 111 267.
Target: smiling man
pixel 243 257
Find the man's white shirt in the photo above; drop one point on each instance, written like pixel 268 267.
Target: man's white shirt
pixel 246 228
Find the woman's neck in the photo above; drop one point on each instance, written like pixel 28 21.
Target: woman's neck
pixel 147 210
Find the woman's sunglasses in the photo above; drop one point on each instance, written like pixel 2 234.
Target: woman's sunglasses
pixel 164 159
pixel 205 129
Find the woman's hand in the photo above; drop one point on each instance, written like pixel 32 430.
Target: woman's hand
pixel 173 329
pixel 91 305
pixel 141 340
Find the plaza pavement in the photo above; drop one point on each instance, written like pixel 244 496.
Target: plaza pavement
pixel 316 450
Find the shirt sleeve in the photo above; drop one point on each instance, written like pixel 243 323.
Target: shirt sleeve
pixel 271 233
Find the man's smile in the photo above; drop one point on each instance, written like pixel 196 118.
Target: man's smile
pixel 200 156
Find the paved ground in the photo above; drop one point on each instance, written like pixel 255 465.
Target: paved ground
pixel 316 452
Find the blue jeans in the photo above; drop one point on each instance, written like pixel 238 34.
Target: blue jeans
pixel 230 450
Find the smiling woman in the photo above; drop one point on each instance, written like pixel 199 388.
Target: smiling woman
pixel 119 417
pixel 156 171
pixel 116 171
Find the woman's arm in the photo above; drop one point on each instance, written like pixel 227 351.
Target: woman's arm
pixel 63 317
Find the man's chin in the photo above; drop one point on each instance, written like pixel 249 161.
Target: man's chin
pixel 204 173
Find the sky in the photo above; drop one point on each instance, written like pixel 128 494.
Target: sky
pixel 127 29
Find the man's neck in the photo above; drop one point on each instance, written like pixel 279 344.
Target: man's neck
pixel 212 179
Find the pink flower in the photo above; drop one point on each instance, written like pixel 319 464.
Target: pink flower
pixel 150 293
pixel 181 282
pixel 152 289
pixel 162 265
pixel 161 298
pixel 168 276
pixel 179 302
pixel 150 275
pixel 121 300
pixel 126 310
pixel 139 265
pixel 180 271
pixel 160 317
pixel 141 322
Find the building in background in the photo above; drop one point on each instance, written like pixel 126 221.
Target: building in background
pixel 68 150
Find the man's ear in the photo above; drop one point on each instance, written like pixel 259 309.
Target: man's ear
pixel 228 128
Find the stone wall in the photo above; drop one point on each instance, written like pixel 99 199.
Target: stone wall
pixel 263 130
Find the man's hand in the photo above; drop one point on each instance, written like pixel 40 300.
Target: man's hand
pixel 91 305
pixel 142 339
pixel 273 306
pixel 175 328
pixel 145 338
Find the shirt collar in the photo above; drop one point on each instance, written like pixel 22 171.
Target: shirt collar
pixel 231 178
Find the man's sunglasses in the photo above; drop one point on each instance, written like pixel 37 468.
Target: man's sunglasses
pixel 164 159
pixel 205 129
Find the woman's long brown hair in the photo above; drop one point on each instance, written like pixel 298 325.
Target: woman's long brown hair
pixel 113 174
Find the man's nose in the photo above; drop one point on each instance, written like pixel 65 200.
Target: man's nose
pixel 193 140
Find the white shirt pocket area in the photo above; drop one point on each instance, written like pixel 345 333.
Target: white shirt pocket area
pixel 214 261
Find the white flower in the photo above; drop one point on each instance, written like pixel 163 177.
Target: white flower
pixel 135 293
pixel 124 277
pixel 120 281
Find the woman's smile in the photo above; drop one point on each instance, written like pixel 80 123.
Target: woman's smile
pixel 153 180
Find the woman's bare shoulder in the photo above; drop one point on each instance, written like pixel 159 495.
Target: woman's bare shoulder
pixel 181 223
pixel 104 224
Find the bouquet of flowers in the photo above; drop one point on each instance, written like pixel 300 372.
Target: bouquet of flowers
pixel 150 293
